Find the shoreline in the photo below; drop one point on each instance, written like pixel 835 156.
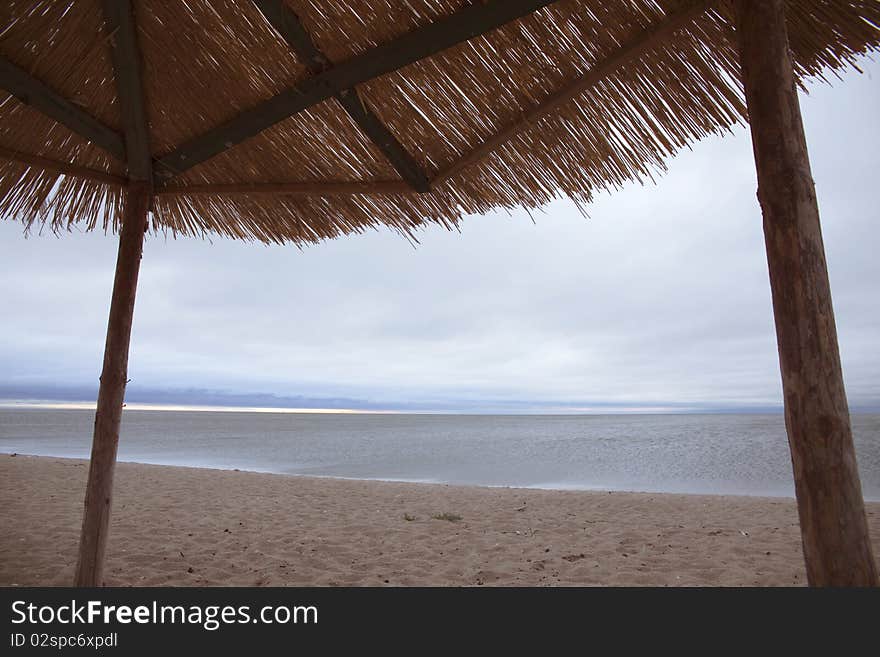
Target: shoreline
pixel 179 526
pixel 424 482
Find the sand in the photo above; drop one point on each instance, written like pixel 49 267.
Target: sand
pixel 197 527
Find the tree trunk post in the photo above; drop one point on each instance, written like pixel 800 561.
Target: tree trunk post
pixel 111 394
pixel 834 528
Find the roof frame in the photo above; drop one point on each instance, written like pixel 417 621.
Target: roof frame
pixel 468 23
pixel 290 27
pixel 623 55
pixel 126 62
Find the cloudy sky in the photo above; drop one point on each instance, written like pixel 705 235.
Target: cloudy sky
pixel 659 299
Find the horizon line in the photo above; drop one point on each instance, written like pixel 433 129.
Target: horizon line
pixel 48 404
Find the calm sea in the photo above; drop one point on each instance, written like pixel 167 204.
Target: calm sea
pixel 735 454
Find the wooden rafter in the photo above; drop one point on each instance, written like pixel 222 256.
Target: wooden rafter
pixel 622 56
pixel 410 170
pixel 290 27
pixel 64 168
pixel 468 23
pixel 31 91
pixel 376 188
pixel 126 57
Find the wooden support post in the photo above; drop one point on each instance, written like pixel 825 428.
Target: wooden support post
pixel 836 544
pixel 99 490
pixel 120 23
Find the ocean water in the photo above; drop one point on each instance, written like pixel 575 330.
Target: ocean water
pixel 726 454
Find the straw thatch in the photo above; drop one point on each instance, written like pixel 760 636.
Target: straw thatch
pixel 206 61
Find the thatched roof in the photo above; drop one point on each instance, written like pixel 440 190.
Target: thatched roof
pixel 264 117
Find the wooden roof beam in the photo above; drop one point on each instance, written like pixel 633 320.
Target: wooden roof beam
pixel 622 56
pixel 466 24
pixel 356 188
pixel 64 168
pixel 126 57
pixel 31 91
pixel 410 170
pixel 289 26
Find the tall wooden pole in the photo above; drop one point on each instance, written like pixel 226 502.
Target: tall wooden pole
pixel 834 529
pixel 99 489
pixel 122 35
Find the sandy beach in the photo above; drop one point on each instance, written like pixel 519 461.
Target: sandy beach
pixel 196 527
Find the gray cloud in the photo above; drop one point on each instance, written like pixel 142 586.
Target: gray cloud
pixel 661 296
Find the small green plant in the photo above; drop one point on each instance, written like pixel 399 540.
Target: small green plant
pixel 408 517
pixel 449 517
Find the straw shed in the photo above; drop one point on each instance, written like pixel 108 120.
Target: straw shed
pixel 301 120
